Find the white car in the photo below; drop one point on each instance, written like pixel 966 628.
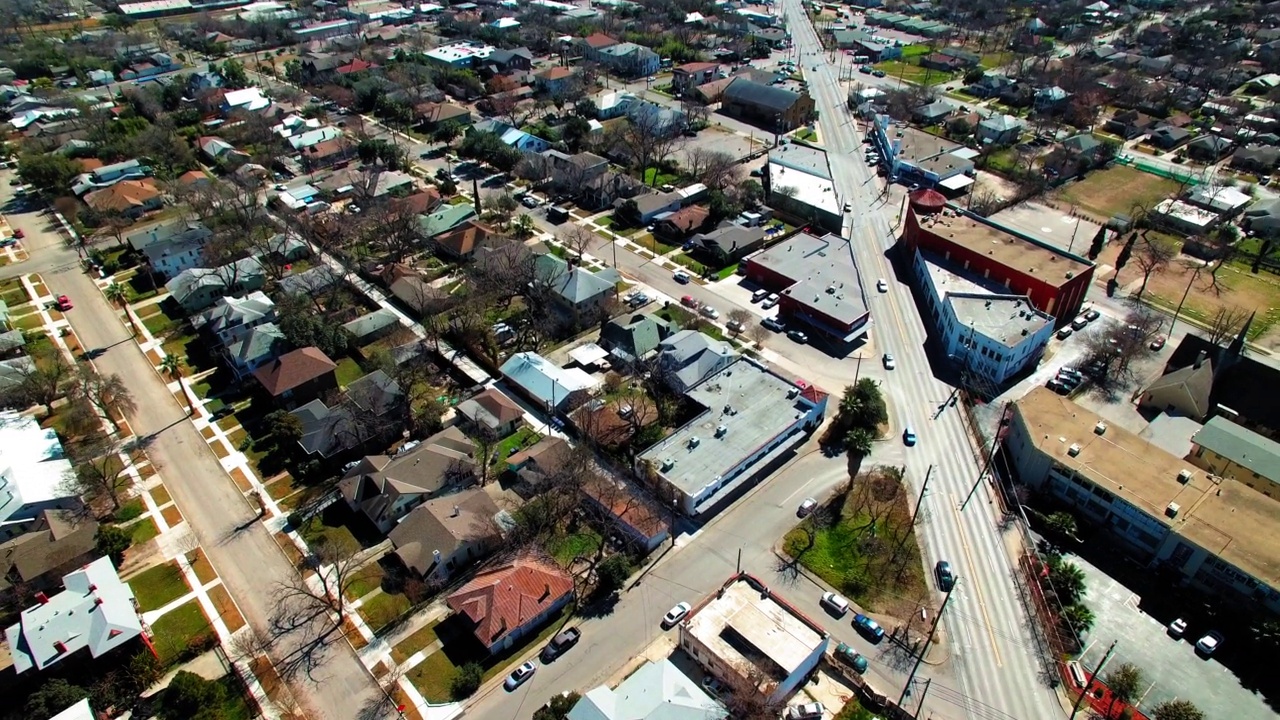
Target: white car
pixel 882 286
pixel 889 362
pixel 681 277
pixel 770 301
pixel 806 507
pixel 835 603
pixel 676 614
pixel 710 312
pixel 1209 643
pixel 1177 628
pixel 530 201
pixel 807 711
pixel 519 675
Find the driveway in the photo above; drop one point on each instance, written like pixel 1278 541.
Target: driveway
pixel 244 554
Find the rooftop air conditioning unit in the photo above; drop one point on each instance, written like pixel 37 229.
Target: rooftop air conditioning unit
pixel 1184 477
pixel 1074 450
pixel 694 441
pixel 667 464
pixel 792 392
pixel 1100 428
pixel 1171 510
pixel 721 431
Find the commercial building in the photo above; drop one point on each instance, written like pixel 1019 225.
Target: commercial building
pixel 747 635
pixel 750 419
pixel 817 282
pixel 797 182
pixel 983 329
pixel 325 30
pixel 772 108
pixel 1231 451
pixel 1217 534
pixel 915 155
pixel 1054 281
pixel 461 54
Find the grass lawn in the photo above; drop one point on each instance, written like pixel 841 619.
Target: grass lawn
pixel 366 580
pixel 726 272
pixel 996 59
pixel 158 586
pixel 160 323
pixel 414 643
pixel 913 73
pixel 1002 161
pixel 383 608
pixel 180 629
pixel 1117 190
pixel 653 177
pixel 513 443
pixel 236 706
pixel 317 529
pixel 27 322
pixel 130 509
pixel 686 260
pixel 144 531
pixel 806 135
pixel 911 51
pixel 432 677
pixel 348 371
pixel 566 548
pixel 677 315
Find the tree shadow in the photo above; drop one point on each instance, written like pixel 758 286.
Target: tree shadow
pixel 599 606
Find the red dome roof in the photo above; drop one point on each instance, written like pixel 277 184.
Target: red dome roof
pixel 927 200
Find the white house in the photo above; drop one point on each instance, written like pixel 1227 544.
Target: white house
pixel 231 318
pixel 33 473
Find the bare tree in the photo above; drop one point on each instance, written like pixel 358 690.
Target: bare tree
pixel 39 382
pixel 740 317
pixel 333 563
pixel 108 395
pixel 1151 256
pixel 577 238
pixel 1124 343
pixel 650 139
pixel 1225 324
pixel 716 169
pixel 99 472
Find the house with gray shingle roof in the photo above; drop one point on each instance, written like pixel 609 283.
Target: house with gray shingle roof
pixel 367 328
pixel 656 691
pixel 256 348
pixel 634 338
pixel 581 292
pixel 95 611
pixel 688 357
pixel 231 317
pixel 198 288
pixel 1000 129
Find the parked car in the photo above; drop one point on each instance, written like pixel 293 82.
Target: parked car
pixel 1079 322
pixel 1065 333
pixel 1159 342
pixel 681 277
pixel 807 711
pixel 889 362
pixel 835 603
pixel 519 676
pixel 946 578
pixel 735 326
pixel 1177 628
pixel 770 301
pixel 713 687
pixel 909 436
pixel 868 627
pixel 773 324
pixel 19 233
pixel 530 201
pixel 563 640
pixel 1209 643
pixel 865 69
pixel 798 337
pixel 63 303
pixel 852 658
pixel 1092 315
pixel 675 614
pixel 688 301
pixel 806 506
pixel 637 299
pixel 759 295
pixel 882 286
pixel 877 72
pixel 710 312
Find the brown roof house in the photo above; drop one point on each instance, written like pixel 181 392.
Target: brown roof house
pixel 1184 391
pixel 682 223
pixel 58 542
pixel 298 377
pixel 492 411
pixel 461 242
pixel 505 603
pixel 385 488
pixel 130 198
pixel 447 533
pixel 628 511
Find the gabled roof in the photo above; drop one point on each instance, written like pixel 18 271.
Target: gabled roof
pixel 1241 446
pixel 233 311
pixel 504 599
pixel 490 408
pixel 753 93
pixel 463 239
pixel 293 369
pixel 442 525
pixel 371 323
pixel 263 341
pixel 58 537
pixel 655 691
pixel 1195 380
pixel 123 196
pixel 425 469
pixel 598 41
pixel 581 285
pixel 445 218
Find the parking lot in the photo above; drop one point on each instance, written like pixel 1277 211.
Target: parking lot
pixel 1171 667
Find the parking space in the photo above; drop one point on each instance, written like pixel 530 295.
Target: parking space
pixel 739 290
pixel 1171 667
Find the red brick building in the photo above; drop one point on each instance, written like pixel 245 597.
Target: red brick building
pixel 1055 281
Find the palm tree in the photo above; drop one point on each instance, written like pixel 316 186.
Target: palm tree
pixel 1061 523
pixel 858 441
pixel 1078 618
pixel 172 366
pixel 118 296
pixel 1067 581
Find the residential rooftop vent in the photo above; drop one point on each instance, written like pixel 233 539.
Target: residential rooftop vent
pixel 1184 476
pixel 667 464
pixel 1100 428
pixel 1074 450
pixel 1171 510
pixel 694 441
pixel 792 392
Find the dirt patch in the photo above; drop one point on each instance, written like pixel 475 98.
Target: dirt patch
pixel 290 550
pixel 353 634
pixel 208 432
pixel 220 449
pixel 1115 191
pixel 172 516
pixel 226 608
pixel 159 494
pixel 202 568
pixel 241 480
pixel 402 700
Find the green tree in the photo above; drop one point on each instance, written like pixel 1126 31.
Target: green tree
pixel 858 441
pixel 974 75
pixel 1067 580
pixel 1177 710
pixel 1124 682
pixel 446 132
pixel 306 330
pixel 47 172
pixel 467 681
pixel 232 72
pixel 1062 523
pixel 191 696
pixel 1125 253
pixel 1078 617
pixel 558 707
pixel 586 109
pixel 54 696
pixel 112 541
pixel 283 427
pixel 611 573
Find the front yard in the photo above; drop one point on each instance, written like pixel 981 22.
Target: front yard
pixel 158 586
pixel 181 632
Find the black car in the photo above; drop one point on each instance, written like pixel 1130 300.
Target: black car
pixel 564 640
pixel 1092 315
pixel 946 578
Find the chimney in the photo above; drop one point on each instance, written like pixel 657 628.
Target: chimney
pixel 60 646
pixel 93 587
pixel 546 592
pixel 42 598
pixel 456 511
pixel 1200 358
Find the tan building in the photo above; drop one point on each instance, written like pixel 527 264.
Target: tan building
pixel 1231 451
pixel 1218 534
pixel 1184 391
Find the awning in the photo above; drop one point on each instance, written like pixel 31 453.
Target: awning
pixel 956 182
pixel 588 354
pixel 966 153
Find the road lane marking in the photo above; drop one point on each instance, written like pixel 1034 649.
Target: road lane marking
pixel 982 603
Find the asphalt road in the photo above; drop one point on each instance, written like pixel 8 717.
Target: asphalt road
pixel 241 550
pixel 999 670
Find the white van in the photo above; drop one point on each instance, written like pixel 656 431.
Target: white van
pixel 759 295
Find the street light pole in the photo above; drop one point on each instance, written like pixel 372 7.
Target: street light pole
pixel 1084 692
pixel 906 688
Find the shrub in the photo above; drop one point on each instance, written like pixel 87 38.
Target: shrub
pixel 467 681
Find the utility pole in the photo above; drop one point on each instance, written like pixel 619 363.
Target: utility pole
pixel 906 688
pixel 995 442
pixel 1083 693
pixel 920 500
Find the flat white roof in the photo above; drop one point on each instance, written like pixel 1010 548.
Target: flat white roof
pixel 32 463
pixel 812 190
pixel 1186 213
pixel 461 51
pixel 740 616
pixel 955 182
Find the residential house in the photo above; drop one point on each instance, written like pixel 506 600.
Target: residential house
pixel 634 338
pixel 649 206
pixel 371 410
pixel 171 247
pixel 505 603
pixel 593 44
pixel 444 219
pixel 1130 124
pixel 942 63
pixel 202 81
pixel 255 348
pixel 548 386
pixel 327 153
pixel 1184 391
pixel 629 59
pixel 57 542
pixel 637 516
pixel 580 292
pixel 220 152
pixel 1017 95
pixel 417 294
pixel 371 327
pixel 571 173
pixel 729 242
pixel 385 488
pixel 1236 453
pixel 232 317
pixel 1000 129
pixel 608 190
pixel 462 241
pixel 1208 148
pixel 127 198
pixel 94 612
pixel 1256 158
pixel 933 113
pixel 447 534
pixel 989 85
pixel 298 377
pixel 33 473
pixel 688 357
pixel 554 80
pixel 513 137
pixel 1075 155
pixel 541 460
pixel 309 282
pixel 772 108
pixel 679 225
pixel 1169 137
pixel 492 413
pixel 245 100
pixel 432 115
pixel 1050 99
pixel 655 690
pixel 517 61
pixel 1263 218
pixel 195 289
pixel 690 75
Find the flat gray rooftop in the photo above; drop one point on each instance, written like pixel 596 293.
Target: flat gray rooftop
pixel 823 274
pixel 750 402
pixel 802 157
pixel 742 616
pixel 918 145
pixel 985 305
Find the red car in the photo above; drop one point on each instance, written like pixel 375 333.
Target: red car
pixel 688 301
pixel 19 234
pixel 63 303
